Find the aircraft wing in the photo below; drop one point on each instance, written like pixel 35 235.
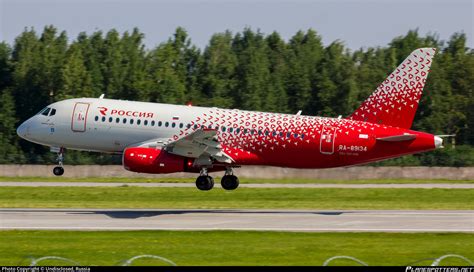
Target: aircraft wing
pixel 201 144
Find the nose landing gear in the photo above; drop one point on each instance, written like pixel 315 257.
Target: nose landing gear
pixel 59 170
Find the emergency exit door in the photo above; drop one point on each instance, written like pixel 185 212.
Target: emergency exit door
pixel 79 117
pixel 328 136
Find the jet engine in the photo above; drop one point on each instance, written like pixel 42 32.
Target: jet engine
pixel 154 161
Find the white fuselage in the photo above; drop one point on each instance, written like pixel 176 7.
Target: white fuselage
pixel 109 132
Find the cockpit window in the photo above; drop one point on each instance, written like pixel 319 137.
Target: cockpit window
pixel 41 111
pixel 46 112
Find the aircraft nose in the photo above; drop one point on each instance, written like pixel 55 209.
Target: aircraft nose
pixel 22 130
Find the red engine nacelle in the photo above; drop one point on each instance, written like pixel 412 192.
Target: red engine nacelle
pixel 154 161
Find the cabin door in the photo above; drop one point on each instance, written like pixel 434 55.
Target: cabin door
pixel 79 117
pixel 328 137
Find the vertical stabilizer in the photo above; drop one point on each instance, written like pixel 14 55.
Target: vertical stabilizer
pixel 395 101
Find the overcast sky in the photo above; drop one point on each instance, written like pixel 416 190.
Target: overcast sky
pixel 358 23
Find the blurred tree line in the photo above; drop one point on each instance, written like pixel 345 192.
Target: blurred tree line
pixel 246 70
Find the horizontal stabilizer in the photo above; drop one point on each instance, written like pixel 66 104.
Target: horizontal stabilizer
pixel 398 138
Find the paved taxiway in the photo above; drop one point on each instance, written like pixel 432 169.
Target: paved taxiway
pixel 248 185
pixel 275 220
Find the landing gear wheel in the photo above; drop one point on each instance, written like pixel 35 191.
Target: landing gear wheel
pixel 230 182
pixel 204 183
pixel 58 171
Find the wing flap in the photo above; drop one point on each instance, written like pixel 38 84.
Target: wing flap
pixel 201 143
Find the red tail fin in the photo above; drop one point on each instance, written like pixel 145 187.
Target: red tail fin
pixel 395 101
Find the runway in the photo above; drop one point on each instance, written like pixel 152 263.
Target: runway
pixel 261 220
pixel 242 185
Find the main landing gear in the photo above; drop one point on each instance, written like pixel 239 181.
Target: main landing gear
pixel 59 170
pixel 229 181
pixel 205 182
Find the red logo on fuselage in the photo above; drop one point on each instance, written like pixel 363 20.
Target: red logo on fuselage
pixel 103 111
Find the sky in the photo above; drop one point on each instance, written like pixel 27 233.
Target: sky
pixel 357 23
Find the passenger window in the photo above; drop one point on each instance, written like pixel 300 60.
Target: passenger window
pixel 231 130
pixel 103 118
pixel 124 120
pixel 195 126
pixel 173 124
pixel 181 125
pixel 167 124
pixel 53 112
pixel 111 119
pixel 223 129
pixel 139 122
pixel 117 120
pixel 188 126
pixel 131 121
pixel 302 136
pixel 160 123
pixel 288 134
pixel 274 133
pixel 245 131
pixel 145 122
pixel 152 123
pixel 281 134
pixel 96 118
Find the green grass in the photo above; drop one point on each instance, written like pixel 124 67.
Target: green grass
pixel 242 180
pixel 232 247
pixel 279 198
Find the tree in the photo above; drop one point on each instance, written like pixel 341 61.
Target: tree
pixel 93 53
pixel 112 70
pixel 253 70
pixel 218 72
pixel 172 70
pixel 25 61
pixel 133 61
pixel 277 98
pixel 9 150
pixel 5 66
pixel 304 59
pixel 75 78
pixel 336 81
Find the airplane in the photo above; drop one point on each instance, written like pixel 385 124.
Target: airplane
pixel 163 138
